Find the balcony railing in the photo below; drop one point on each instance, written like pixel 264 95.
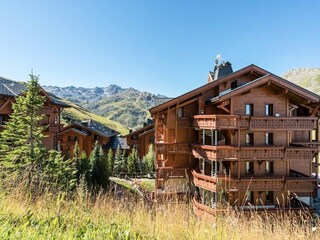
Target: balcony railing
pixel 215 152
pixel 254 123
pixel 230 153
pixel 168 148
pixel 265 183
pixel 169 172
pixel 216 121
pixel 205 212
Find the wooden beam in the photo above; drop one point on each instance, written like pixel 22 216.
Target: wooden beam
pixel 187 102
pixel 314 111
pixel 285 91
pixel 223 106
pixel 5 104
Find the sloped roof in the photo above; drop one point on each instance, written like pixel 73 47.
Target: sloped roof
pixel 208 86
pixel 271 79
pixel 12 88
pixel 92 126
pixel 116 141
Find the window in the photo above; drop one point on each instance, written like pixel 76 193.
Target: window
pixel 249 109
pixel 135 146
pixel 3 118
pixel 269 197
pixel 249 168
pixel 234 84
pixel 269 168
pixel 180 112
pixel 249 197
pixel 269 109
pixel 269 138
pixel 249 139
pixel 151 138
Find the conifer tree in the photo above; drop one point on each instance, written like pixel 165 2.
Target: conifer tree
pixel 124 160
pixel 103 169
pixel 110 162
pixel 150 159
pixel 117 162
pixel 21 143
pixel 94 158
pixel 132 161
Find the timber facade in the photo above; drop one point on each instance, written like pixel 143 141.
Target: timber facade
pixel 141 139
pixel 246 138
pixel 52 111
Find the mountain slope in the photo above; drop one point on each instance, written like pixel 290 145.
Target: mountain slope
pixel 308 78
pixel 127 106
pixel 77 113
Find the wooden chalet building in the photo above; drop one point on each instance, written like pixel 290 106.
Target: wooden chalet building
pixel 245 138
pixel 52 110
pixel 86 133
pixel 141 139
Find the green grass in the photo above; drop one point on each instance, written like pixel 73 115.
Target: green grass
pixel 53 216
pixel 148 185
pixel 80 113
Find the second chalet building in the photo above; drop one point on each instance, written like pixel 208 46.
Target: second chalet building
pixel 245 138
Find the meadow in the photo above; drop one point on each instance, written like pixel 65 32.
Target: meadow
pixel 103 216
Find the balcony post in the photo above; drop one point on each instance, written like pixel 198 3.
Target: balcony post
pixel 216 137
pixel 211 137
pixel 203 137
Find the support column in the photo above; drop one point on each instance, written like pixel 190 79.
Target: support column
pixel 212 137
pixel 216 137
pixel 203 137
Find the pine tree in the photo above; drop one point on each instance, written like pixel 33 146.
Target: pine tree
pixel 124 161
pixel 103 169
pixel 150 159
pixel 110 162
pixel 94 158
pixel 117 162
pixel 132 161
pixel 21 143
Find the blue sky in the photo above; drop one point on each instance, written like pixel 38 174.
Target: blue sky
pixel 164 47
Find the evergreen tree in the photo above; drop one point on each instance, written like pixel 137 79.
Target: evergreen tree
pixel 103 169
pixel 94 158
pixel 150 159
pixel 117 162
pixel 21 143
pixel 110 162
pixel 124 161
pixel 59 173
pixel 132 161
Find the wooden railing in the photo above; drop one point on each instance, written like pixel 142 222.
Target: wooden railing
pixel 265 183
pixel 300 184
pixel 168 148
pixel 216 121
pixel 169 172
pixel 254 123
pixel 205 212
pixel 230 153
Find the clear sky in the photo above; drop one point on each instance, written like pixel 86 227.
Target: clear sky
pixel 164 47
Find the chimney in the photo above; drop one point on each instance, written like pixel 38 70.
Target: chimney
pixel 220 70
pixel 89 122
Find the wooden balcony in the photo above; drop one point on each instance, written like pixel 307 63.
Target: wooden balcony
pixel 216 121
pixel 171 148
pixel 300 184
pixel 205 212
pixel 265 183
pixel 229 153
pixel 169 172
pixel 254 123
pixel 215 152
